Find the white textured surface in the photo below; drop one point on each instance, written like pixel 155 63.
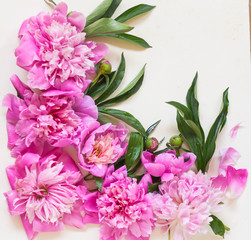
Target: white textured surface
pixel 208 36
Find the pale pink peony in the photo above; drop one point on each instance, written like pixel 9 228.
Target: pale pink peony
pixel 122 208
pixel 185 203
pixel 45 192
pixel 166 165
pixel 231 181
pixel 54 51
pixel 103 146
pixel 54 118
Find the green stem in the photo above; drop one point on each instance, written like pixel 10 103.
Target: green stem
pixel 95 80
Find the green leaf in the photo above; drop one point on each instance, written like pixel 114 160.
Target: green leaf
pixel 134 149
pixel 125 117
pixel 98 12
pixel 133 12
pixel 112 8
pixel 217 226
pixel 100 86
pixel 99 182
pixel 193 141
pixel 106 25
pixel 193 105
pixel 103 119
pixel 215 130
pixel 114 82
pixel 152 127
pixel 185 111
pixel 127 37
pixel 152 187
pixel 131 89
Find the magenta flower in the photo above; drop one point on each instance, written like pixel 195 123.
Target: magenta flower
pixel 54 117
pixel 185 203
pixel 103 146
pixel 232 181
pixel 54 51
pixel 123 208
pixel 166 165
pixel 44 192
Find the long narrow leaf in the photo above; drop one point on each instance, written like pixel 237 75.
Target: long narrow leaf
pixel 215 130
pixel 185 111
pixel 193 104
pixel 191 138
pixel 106 25
pixel 131 89
pixel 98 12
pixel 217 226
pixel 127 37
pixel 134 149
pixel 152 127
pixel 100 87
pixel 133 12
pixel 125 117
pixel 115 81
pixel 112 8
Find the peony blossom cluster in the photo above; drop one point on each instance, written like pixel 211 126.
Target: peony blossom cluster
pixel 70 169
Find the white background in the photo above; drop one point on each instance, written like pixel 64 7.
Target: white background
pixel 208 36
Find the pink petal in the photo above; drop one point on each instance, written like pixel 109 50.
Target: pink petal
pixel 77 19
pixel 166 177
pixel 75 218
pixel 236 180
pixel 27 52
pixel 61 8
pixel 145 180
pixel 155 169
pixel 37 78
pixel 220 182
pixel 11 174
pixel 234 130
pixel 39 226
pixel 19 85
pixel 28 228
pixel 190 162
pixel 10 197
pixel 229 157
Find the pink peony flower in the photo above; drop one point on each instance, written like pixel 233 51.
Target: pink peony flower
pixel 123 208
pixel 185 204
pixel 54 117
pixel 103 146
pixel 44 192
pixel 232 181
pixel 54 51
pixel 166 165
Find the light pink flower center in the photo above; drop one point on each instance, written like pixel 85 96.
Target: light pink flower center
pixel 103 149
pixel 45 193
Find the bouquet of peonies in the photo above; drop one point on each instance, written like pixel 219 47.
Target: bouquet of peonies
pixel 74 165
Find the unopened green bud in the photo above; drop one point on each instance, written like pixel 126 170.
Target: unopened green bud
pixel 151 144
pixel 105 67
pixel 176 141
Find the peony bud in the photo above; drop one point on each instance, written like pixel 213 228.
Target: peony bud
pixel 151 144
pixel 105 67
pixel 176 141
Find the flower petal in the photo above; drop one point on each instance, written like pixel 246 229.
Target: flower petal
pixel 236 180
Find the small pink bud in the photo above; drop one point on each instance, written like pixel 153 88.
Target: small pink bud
pixel 152 144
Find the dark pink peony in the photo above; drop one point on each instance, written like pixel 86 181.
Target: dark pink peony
pixel 166 165
pixel 54 51
pixel 45 192
pixel 55 118
pixel 123 208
